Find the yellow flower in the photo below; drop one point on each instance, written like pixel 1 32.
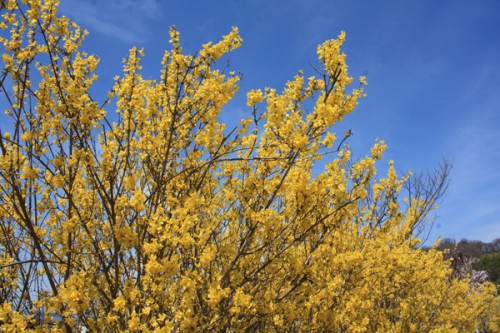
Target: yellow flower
pixel 119 304
pixel 254 97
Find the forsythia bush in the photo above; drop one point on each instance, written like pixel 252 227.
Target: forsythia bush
pixel 157 218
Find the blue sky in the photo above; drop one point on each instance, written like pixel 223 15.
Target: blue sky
pixel 433 70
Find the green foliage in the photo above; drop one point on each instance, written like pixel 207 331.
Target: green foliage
pixel 491 264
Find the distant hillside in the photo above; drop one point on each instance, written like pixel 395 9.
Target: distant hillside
pixel 469 248
pixel 479 255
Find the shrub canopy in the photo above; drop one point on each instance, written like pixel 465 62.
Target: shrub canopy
pixel 145 213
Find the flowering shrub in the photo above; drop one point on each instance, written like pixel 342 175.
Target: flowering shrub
pixel 158 219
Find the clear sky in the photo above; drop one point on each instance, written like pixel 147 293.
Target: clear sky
pixel 433 71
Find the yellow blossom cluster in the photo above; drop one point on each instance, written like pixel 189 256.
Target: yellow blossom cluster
pixel 143 213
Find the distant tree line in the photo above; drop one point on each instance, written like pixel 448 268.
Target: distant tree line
pixel 484 256
pixel 469 248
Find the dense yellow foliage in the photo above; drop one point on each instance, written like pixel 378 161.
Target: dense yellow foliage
pixel 159 219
